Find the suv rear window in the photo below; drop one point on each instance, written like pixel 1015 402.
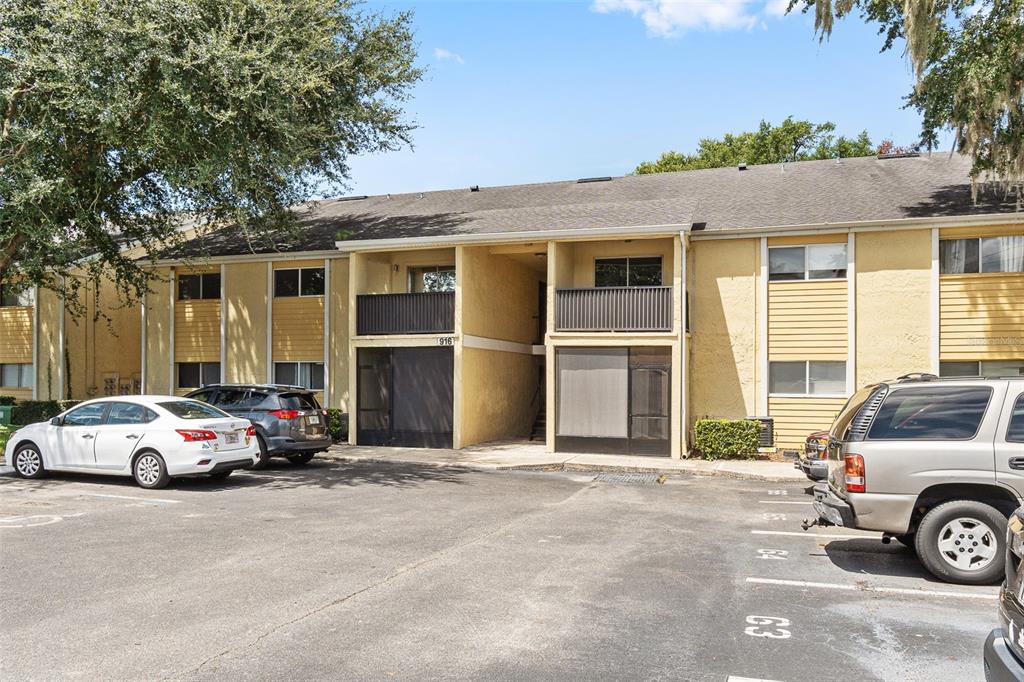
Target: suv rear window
pixel 192 409
pixel 299 401
pixel 1015 434
pixel 934 413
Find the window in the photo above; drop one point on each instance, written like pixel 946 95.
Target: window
pixel 194 287
pixel 1015 432
pixel 192 409
pixel 933 413
pixel 306 374
pixel 813 377
pixel 129 413
pixel 816 261
pixel 15 295
pixel 985 254
pixel 432 278
pixel 197 374
pixel 86 415
pixel 627 272
pixel 298 401
pixel 16 376
pixel 983 368
pixel 290 282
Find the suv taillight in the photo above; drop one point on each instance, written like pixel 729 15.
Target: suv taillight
pixel 286 415
pixel 194 435
pixel 855 481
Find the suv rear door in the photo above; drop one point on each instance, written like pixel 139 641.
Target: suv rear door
pixel 311 423
pixel 1009 440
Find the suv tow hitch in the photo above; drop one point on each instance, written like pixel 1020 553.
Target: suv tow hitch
pixel 807 524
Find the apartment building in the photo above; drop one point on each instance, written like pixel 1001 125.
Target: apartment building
pixel 611 312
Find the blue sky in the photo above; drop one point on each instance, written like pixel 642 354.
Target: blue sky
pixel 519 92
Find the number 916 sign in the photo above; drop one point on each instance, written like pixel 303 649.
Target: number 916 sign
pixel 446 340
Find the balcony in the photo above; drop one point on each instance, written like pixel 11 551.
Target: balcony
pixel 614 309
pixel 423 313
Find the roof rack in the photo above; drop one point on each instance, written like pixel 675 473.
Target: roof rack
pixel 917 376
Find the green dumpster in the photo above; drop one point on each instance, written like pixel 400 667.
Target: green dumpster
pixel 5 414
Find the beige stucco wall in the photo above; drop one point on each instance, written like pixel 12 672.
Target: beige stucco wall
pixel 723 358
pixel 337 351
pixel 245 295
pixel 502 302
pixel 585 252
pixel 894 273
pixel 505 386
pixel 388 273
pixel 158 333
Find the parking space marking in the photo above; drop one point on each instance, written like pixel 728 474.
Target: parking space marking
pixel 27 522
pixel 733 678
pixel 783 502
pixel 152 500
pixel 816 535
pixel 870 588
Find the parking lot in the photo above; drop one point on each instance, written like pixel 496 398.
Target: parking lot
pixel 377 571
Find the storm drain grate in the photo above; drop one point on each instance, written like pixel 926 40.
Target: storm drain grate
pixel 636 479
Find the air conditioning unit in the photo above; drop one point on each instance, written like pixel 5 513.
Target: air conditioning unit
pixel 766 436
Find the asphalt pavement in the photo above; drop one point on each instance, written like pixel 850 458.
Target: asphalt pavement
pixel 399 571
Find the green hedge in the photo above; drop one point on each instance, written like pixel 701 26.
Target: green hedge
pixel 5 434
pixel 32 411
pixel 726 438
pixel 8 400
pixel 337 424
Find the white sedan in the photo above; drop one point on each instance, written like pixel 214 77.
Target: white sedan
pixel 149 437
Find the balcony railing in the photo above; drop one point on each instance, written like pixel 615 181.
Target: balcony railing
pixel 425 313
pixel 621 309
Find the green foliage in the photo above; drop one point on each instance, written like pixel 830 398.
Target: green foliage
pixel 726 438
pixel 32 411
pixel 789 141
pixel 970 72
pixel 120 119
pixel 337 424
pixel 7 400
pixel 5 435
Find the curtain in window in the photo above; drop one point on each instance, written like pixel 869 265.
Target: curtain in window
pixel 953 256
pixel 1002 254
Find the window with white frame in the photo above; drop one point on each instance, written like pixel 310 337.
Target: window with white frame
pixel 814 261
pixel 981 368
pixel 198 374
pixel 807 377
pixel 630 271
pixel 432 278
pixel 981 254
pixel 306 374
pixel 15 295
pixel 16 375
pixel 291 282
pixel 196 287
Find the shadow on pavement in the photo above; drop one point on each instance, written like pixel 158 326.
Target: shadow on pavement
pixel 869 557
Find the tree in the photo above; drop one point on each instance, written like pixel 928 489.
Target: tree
pixel 123 121
pixel 789 141
pixel 969 62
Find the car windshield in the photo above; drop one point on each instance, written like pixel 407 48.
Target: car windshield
pixel 299 401
pixel 192 409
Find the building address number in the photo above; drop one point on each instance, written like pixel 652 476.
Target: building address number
pixel 446 340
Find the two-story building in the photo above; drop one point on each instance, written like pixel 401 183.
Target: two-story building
pixel 605 314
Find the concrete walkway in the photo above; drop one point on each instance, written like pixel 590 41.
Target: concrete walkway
pixel 532 457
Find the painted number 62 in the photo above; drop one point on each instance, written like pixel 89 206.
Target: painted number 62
pixel 777 629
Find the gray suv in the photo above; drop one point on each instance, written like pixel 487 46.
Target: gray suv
pixel 937 464
pixel 288 419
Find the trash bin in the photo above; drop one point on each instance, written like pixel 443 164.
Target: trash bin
pixel 5 414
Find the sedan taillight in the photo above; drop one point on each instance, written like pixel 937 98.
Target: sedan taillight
pixel 194 435
pixel 286 415
pixel 854 470
pixel 251 431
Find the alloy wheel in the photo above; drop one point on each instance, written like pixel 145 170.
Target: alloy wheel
pixel 28 462
pixel 148 469
pixel 967 544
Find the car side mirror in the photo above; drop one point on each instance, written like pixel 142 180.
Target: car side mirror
pixel 55 421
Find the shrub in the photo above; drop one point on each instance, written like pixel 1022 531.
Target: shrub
pixel 337 424
pixel 7 400
pixel 5 434
pixel 32 411
pixel 726 438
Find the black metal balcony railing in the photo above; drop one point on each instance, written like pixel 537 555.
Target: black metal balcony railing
pixel 614 309
pixel 425 313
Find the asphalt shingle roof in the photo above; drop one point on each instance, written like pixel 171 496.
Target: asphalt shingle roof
pixel 805 193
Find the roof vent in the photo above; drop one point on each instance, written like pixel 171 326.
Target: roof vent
pixel 474 188
pixel 899 155
pixel 357 198
pixel 742 166
pixel 605 178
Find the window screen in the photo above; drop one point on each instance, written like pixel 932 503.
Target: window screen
pixel 787 377
pixel 826 261
pixel 826 378
pixel 593 395
pixel 931 414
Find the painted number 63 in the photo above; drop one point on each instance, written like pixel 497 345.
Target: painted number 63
pixel 776 631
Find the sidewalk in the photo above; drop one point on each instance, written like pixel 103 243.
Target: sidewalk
pixel 507 456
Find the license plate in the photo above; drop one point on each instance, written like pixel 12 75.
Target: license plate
pixel 230 438
pixel 314 419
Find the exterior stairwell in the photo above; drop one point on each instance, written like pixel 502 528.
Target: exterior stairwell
pixel 539 425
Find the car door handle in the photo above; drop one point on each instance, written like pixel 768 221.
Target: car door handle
pixel 87 435
pixel 1016 462
pixel 131 435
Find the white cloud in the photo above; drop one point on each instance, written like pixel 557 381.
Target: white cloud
pixel 667 18
pixel 442 54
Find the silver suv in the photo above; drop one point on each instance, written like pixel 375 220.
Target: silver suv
pixel 937 464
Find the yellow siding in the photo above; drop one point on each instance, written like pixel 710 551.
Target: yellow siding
pixel 15 335
pixel 197 331
pixel 245 295
pixel 298 329
pixel 801 240
pixel 981 316
pixel 967 232
pixel 807 320
pixel 795 418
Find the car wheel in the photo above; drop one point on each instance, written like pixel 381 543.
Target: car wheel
pixel 28 462
pixel 963 542
pixel 221 475
pixel 264 456
pixel 150 471
pixel 301 458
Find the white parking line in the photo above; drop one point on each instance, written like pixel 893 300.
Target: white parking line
pixel 733 678
pixel 154 500
pixel 815 535
pixel 783 502
pixel 870 588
